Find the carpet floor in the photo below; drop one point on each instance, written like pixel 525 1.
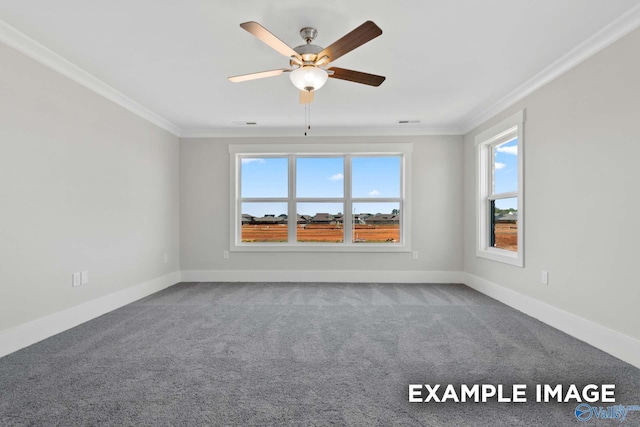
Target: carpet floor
pixel 302 354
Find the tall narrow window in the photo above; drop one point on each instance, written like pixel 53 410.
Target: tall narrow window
pixel 500 192
pixel 333 197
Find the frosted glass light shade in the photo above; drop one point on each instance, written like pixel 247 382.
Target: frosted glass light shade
pixel 308 78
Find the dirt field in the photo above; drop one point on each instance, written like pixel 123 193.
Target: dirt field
pixel 321 233
pixel 507 236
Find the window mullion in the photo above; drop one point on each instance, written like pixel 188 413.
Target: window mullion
pixel 292 222
pixel 347 217
pixel 376 200
pixel 499 196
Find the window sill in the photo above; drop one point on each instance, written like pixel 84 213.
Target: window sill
pixel 501 255
pixel 320 247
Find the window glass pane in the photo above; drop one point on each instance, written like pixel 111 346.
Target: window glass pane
pixel 504 227
pixel 505 167
pixel 320 177
pixel 376 223
pixel 264 222
pixel 264 177
pixel 320 222
pixel 375 176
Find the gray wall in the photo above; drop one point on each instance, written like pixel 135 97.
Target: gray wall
pixel 437 211
pixel 84 185
pixel 582 174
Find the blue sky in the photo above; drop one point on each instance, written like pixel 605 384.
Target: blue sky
pixel 506 172
pixel 373 177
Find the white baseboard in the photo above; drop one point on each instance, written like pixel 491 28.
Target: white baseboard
pixel 37 330
pixel 619 345
pixel 345 276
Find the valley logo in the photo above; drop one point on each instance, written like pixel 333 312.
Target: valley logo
pixel 585 412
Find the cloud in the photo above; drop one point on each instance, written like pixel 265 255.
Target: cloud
pixel 374 193
pixel 336 177
pixel 247 161
pixel 513 149
pixel 499 166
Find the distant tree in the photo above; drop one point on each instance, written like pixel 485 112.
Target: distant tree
pixel 395 212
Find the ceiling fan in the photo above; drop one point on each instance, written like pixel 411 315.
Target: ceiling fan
pixel 309 62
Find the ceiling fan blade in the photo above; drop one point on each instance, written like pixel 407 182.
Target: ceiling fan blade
pixel 269 39
pixel 354 39
pixel 260 75
pixel 306 97
pixel 356 76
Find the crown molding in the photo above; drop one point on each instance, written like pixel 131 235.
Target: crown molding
pixel 28 46
pixel 617 29
pixel 260 131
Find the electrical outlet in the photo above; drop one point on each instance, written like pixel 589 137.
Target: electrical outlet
pixel 225 254
pixel 76 280
pixel 544 277
pixel 415 254
pixel 84 277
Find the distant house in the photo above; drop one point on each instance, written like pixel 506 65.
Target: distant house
pixel 382 219
pixel 508 218
pixel 247 219
pixel 270 220
pixel 323 218
pixel 358 219
pixel 303 219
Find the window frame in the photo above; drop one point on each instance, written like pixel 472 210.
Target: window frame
pixel 508 129
pixel 346 151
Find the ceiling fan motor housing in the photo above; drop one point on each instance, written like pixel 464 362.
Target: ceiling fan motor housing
pixel 308 53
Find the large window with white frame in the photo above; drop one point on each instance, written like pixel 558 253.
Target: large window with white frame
pixel 350 197
pixel 500 204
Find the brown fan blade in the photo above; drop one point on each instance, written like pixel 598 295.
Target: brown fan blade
pixel 260 75
pixel 306 97
pixel 267 38
pixel 356 76
pixel 358 37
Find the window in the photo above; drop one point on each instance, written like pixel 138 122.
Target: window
pixel 331 197
pixel 500 213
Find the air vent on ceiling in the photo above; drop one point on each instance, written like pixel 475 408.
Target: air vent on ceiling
pixel 242 123
pixel 405 122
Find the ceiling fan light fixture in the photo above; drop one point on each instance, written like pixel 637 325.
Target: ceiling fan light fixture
pixel 308 78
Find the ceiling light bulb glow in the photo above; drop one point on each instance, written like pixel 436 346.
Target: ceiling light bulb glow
pixel 308 78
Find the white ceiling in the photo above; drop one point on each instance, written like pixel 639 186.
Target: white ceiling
pixel 448 63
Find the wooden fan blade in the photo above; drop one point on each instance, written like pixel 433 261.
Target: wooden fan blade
pixel 306 97
pixel 354 39
pixel 269 39
pixel 356 76
pixel 260 75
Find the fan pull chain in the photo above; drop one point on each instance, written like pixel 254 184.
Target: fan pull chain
pixel 307 118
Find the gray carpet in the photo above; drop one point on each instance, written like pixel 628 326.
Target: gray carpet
pixel 301 354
